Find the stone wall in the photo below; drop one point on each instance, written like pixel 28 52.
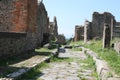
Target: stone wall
pixel 13 15
pixel 117 46
pixel 98 21
pixel 106 36
pixel 53 29
pixel 116 30
pixel 42 22
pixel 79 33
pixel 18 20
pixel 87 31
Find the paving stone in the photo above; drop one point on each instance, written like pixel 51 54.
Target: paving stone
pixel 67 70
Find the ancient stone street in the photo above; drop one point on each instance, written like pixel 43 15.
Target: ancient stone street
pixel 68 70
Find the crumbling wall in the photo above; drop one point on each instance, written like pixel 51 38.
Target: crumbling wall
pixel 87 31
pixel 79 33
pixel 42 22
pixel 98 21
pixel 53 29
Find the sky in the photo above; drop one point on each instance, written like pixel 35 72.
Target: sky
pixel 74 12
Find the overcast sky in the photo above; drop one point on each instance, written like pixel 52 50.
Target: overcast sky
pixel 74 12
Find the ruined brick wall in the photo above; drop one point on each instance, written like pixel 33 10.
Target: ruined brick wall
pixel 13 15
pixel 43 23
pixel 31 37
pixel 19 26
pixel 43 17
pixel 98 21
pixel 79 33
pixel 87 31
pixel 53 29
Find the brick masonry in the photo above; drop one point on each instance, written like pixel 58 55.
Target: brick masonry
pixel 25 26
pixel 43 23
pixel 53 29
pixel 79 33
pixel 18 24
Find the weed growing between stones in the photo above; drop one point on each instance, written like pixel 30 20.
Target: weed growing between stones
pixel 58 59
pixel 107 54
pixel 77 49
pixel 31 74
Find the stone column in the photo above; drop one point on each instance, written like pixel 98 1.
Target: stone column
pixel 106 36
pixel 112 23
pixel 86 31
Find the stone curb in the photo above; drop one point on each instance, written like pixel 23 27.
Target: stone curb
pixel 102 68
pixel 24 70
pixel 21 71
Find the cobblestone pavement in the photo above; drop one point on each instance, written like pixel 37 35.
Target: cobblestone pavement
pixel 65 70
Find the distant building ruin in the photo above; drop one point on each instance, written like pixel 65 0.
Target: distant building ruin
pixel 98 21
pixel 53 29
pixel 87 31
pixel 79 33
pixel 94 29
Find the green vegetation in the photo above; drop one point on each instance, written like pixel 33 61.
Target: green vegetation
pixel 77 43
pixel 108 54
pixel 77 49
pixel 43 51
pixel 31 74
pixel 88 64
pixel 34 72
pixel 13 59
pixel 58 59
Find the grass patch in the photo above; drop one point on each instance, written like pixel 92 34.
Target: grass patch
pixel 13 59
pixel 81 77
pixel 34 72
pixel 77 43
pixel 58 59
pixel 31 74
pixel 108 54
pixel 77 49
pixel 43 51
pixel 90 63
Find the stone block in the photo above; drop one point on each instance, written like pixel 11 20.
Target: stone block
pixel 106 36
